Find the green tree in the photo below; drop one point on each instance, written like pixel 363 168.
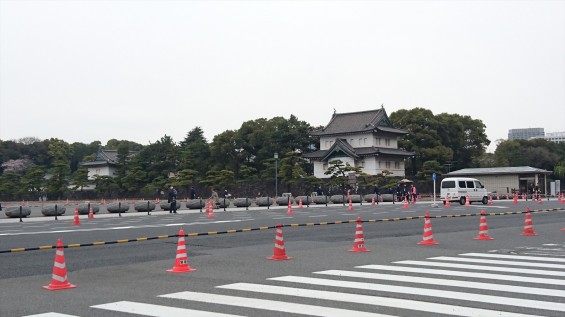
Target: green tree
pixel 60 153
pixel 339 172
pixel 195 152
pixel 80 179
pixel 33 181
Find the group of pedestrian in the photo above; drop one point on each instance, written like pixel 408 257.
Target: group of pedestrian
pixel 172 198
pixel 404 192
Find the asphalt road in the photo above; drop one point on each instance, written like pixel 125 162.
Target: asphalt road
pixel 233 276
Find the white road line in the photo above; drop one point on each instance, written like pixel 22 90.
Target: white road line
pixel 50 315
pixel 473 297
pixel 483 267
pixel 272 305
pixel 157 310
pixel 499 262
pixel 317 216
pixel 515 257
pixel 116 228
pixel 282 217
pixel 454 283
pixel 502 277
pixel 365 299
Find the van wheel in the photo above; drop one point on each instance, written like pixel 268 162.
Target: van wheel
pixel 462 201
pixel 485 200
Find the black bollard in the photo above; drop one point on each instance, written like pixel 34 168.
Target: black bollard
pixel 120 208
pixel 307 202
pixel 224 203
pixel 246 203
pixel 268 204
pixel 200 204
pixel 21 213
pixel 326 200
pixel 343 198
pixel 360 200
pixel 56 212
pixel 148 213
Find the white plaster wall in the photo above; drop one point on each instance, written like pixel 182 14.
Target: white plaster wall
pixel 499 183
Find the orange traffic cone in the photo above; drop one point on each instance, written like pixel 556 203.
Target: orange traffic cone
pixel 59 279
pixel 405 204
pixel 359 242
pixel 562 199
pixel 447 203
pixel 350 208
pixel 181 261
pixel 467 201
pixel 539 200
pixel 279 252
pixel 428 236
pixel 289 211
pixel 373 201
pixel 300 203
pixel 483 228
pixel 490 200
pixel 76 221
pixel 528 225
pixel 91 213
pixel 515 199
pixel 210 210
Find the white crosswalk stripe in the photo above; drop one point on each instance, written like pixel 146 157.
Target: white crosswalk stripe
pixel 157 310
pixel 278 306
pixel 514 257
pixel 444 282
pixel 470 284
pixel 484 268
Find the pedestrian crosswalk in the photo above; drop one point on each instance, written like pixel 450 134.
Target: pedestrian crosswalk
pixel 489 284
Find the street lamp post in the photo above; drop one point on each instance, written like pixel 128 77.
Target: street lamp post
pixel 276 175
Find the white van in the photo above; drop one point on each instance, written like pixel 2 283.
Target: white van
pixel 459 188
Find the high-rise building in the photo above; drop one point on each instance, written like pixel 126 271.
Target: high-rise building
pixel 525 134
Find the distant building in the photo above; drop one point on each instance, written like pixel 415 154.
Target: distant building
pixel 557 137
pixel 506 180
pixel 103 164
pixel 365 139
pixel 525 134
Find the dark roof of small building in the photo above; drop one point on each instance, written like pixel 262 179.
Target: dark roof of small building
pixel 498 171
pixel 359 122
pixel 105 157
pixel 356 152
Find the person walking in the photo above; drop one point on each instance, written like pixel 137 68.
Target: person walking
pixel 377 192
pixel 414 192
pixel 172 200
pixel 214 197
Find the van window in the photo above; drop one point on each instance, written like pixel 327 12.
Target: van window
pixel 448 184
pixel 478 185
pixel 462 184
pixel 470 184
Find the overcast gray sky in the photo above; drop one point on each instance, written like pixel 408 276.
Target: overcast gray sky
pixel 83 71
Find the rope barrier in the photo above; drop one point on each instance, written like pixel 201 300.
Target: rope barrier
pixel 211 233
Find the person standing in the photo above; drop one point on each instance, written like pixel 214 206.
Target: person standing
pixel 214 197
pixel 192 192
pixel 172 200
pixel 414 192
pixel 377 193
